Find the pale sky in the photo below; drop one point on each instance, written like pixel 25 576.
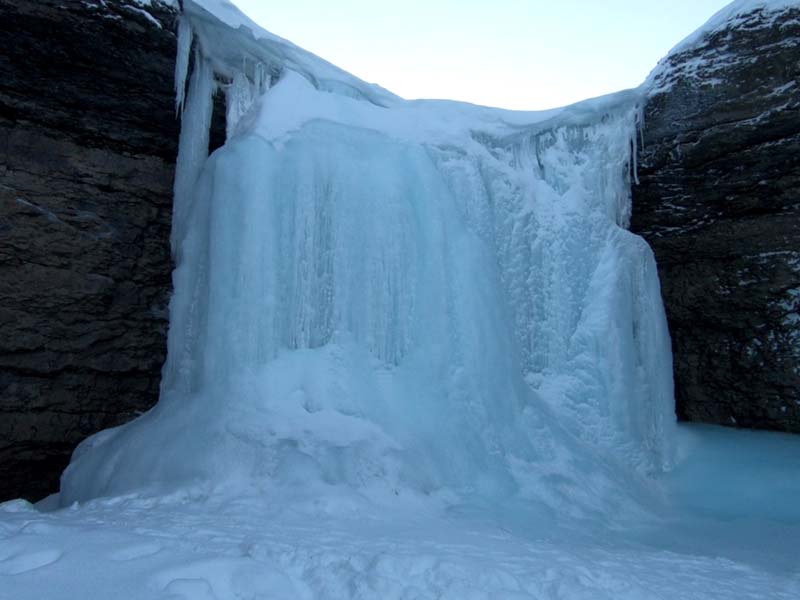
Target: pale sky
pixel 521 54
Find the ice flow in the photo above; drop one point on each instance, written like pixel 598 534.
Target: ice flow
pixel 395 297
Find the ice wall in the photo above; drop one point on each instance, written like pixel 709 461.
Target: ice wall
pixel 396 297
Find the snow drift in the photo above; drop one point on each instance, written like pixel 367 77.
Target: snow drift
pixel 393 297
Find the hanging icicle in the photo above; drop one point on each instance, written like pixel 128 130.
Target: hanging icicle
pixel 185 37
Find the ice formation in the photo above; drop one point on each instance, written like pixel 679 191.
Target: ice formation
pixel 396 297
pixel 421 334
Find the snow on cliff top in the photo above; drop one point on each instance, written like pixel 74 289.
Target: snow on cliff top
pixel 228 35
pixel 734 15
pixel 277 49
pixel 323 74
pixel 173 3
pixel 328 77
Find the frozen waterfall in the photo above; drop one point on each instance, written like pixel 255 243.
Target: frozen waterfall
pixel 396 297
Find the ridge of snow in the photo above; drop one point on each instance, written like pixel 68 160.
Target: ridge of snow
pixel 438 119
pixel 266 46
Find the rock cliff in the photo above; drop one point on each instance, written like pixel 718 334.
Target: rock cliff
pixel 88 139
pixel 719 202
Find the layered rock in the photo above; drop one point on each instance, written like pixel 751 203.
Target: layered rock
pixel 88 139
pixel 719 202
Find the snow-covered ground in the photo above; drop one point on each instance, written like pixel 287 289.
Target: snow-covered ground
pixel 728 528
pixel 413 353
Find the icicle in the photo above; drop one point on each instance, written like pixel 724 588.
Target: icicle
pixel 193 144
pixel 241 94
pixel 185 35
pixel 633 160
pixel 238 99
pixel 640 123
pixel 635 145
pixel 262 79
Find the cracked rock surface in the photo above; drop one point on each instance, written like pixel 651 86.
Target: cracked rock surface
pixel 719 202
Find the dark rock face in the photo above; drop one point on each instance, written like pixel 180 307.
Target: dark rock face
pixel 88 139
pixel 719 202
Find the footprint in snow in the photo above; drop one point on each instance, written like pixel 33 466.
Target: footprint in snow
pixel 134 552
pixel 190 589
pixel 28 561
